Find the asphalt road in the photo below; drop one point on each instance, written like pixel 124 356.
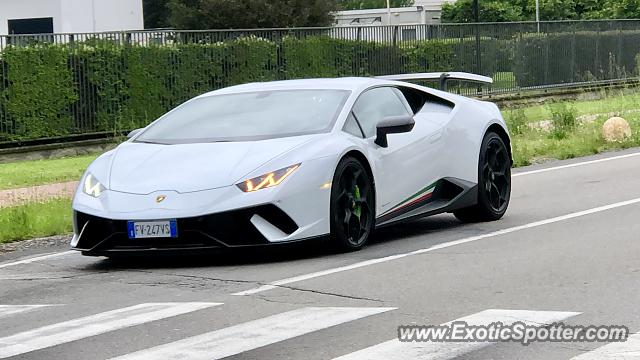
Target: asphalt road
pixel 568 250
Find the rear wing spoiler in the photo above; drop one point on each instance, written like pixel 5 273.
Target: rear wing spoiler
pixel 443 78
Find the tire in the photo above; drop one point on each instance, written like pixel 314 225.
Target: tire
pixel 352 212
pixel 494 182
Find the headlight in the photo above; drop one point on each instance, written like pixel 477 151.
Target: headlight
pixel 92 186
pixel 267 180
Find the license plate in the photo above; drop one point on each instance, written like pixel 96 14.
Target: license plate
pixel 152 229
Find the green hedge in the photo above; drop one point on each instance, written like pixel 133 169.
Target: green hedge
pixel 102 85
pixel 6 125
pixel 575 57
pixel 447 55
pixel 321 56
pixel 40 92
pixel 130 86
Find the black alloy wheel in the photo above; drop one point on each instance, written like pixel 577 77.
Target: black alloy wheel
pixel 352 205
pixel 497 175
pixel 494 182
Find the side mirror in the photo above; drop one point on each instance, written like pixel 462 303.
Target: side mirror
pixel 393 125
pixel 133 133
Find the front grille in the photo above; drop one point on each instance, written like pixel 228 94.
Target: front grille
pixel 228 229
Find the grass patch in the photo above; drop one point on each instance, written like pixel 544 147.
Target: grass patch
pixel 569 138
pixel 517 122
pixel 34 220
pixel 563 118
pixel 40 172
pixel 533 146
pixel 613 103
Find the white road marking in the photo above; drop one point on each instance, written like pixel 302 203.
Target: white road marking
pixel 582 163
pixel 278 283
pixel 628 350
pixel 395 349
pixel 81 328
pixel 34 276
pixel 254 334
pixel 37 258
pixel 6 310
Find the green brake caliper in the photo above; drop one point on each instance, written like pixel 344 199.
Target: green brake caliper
pixel 358 208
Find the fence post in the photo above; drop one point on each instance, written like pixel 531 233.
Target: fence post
pixel 395 36
pixel 547 56
pixel 478 55
pixel 597 55
pixel 476 17
pixel 573 56
pixel 620 61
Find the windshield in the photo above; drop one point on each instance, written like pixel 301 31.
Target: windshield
pixel 248 116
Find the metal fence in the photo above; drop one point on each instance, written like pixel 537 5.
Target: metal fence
pixel 63 84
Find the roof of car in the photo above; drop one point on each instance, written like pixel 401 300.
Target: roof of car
pixel 345 83
pixel 354 84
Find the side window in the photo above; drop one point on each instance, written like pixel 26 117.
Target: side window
pixel 375 105
pixel 351 126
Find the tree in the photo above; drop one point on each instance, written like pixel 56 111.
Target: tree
pixel 246 14
pixel 490 11
pixel 625 9
pixel 525 10
pixel 156 14
pixel 590 9
pixel 555 10
pixel 372 4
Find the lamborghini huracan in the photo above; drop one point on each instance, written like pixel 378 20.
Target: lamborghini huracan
pixel 287 161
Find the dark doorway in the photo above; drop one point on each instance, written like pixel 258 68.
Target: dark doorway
pixel 31 26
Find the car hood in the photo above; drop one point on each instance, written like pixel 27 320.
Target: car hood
pixel 142 168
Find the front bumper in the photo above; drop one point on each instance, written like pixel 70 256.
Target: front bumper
pixel 297 209
pixel 100 236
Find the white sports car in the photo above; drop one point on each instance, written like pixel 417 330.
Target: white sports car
pixel 286 161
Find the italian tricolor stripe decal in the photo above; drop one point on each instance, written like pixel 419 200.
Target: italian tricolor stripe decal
pixel 421 196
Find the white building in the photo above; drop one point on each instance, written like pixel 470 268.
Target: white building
pixel 69 16
pixel 432 4
pixel 423 12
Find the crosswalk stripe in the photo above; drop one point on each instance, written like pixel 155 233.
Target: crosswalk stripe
pixel 395 349
pixel 254 334
pixel 6 310
pixel 101 323
pixel 628 350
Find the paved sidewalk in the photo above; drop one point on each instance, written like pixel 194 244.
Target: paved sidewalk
pixel 12 197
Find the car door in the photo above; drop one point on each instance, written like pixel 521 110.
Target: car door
pixel 410 163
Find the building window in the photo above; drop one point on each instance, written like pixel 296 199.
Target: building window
pixel 367 20
pixel 409 34
pixel 31 26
